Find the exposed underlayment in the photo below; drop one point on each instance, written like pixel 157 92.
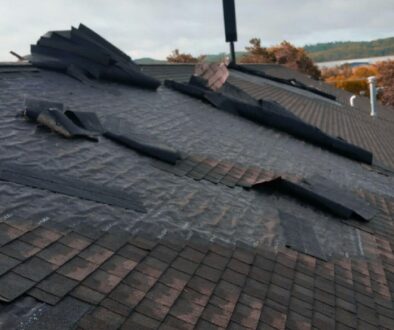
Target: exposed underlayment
pixel 74 124
pixel 354 124
pixel 185 205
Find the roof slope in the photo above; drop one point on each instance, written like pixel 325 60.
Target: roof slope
pixel 335 118
pixel 204 254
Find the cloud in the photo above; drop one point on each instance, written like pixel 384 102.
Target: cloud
pixel 152 28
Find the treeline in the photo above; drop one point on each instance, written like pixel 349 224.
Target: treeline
pixel 354 79
pixel 333 51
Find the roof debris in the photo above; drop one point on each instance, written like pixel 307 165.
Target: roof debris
pixel 75 124
pixel 270 114
pixel 317 191
pixel 83 54
pixel 55 182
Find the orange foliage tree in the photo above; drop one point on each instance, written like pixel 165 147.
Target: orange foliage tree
pixel 284 53
pixel 386 81
pixel 177 57
pixel 353 80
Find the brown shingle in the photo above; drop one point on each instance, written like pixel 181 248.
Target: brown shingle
pixel 13 285
pixel 96 254
pixel 35 269
pixel 118 265
pixel 163 294
pixel 19 250
pixel 127 295
pixel 57 254
pixel 77 269
pixel 57 285
pixel 102 281
pixel 75 240
pixel 8 233
pixel 186 311
pixel 87 294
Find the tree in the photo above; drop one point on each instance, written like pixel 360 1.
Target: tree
pixel 257 54
pixel 177 57
pixel 386 80
pixel 284 53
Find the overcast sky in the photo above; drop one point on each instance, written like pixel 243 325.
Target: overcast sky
pixel 152 28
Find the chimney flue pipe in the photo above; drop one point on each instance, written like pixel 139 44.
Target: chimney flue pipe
pixel 230 26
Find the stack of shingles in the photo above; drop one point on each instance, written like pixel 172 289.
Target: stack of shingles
pixel 84 54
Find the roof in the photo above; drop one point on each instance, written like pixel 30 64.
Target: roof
pixel 201 254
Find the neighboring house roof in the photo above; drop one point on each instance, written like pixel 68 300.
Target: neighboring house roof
pixel 203 254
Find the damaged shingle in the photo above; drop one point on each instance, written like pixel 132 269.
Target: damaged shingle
pixel 74 124
pixel 317 191
pixel 300 236
pixel 328 195
pixel 270 114
pixel 83 54
pixel 46 180
pixel 291 82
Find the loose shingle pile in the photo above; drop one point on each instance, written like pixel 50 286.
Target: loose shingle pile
pixel 83 54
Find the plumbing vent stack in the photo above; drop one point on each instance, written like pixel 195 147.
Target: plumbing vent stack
pixel 372 92
pixel 352 98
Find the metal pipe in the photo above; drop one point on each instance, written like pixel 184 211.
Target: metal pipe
pixel 372 95
pixel 352 98
pixel 232 52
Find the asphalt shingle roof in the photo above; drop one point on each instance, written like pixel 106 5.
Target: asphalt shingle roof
pixel 204 255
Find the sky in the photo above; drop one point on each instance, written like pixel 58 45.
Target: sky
pixel 153 28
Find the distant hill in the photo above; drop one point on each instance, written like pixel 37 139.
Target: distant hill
pixel 343 50
pixel 321 52
pixel 148 60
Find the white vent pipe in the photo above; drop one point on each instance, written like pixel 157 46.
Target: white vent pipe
pixel 372 95
pixel 352 98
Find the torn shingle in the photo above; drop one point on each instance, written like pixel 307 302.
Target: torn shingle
pixel 84 54
pixel 35 178
pixel 291 82
pixel 271 114
pixel 326 194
